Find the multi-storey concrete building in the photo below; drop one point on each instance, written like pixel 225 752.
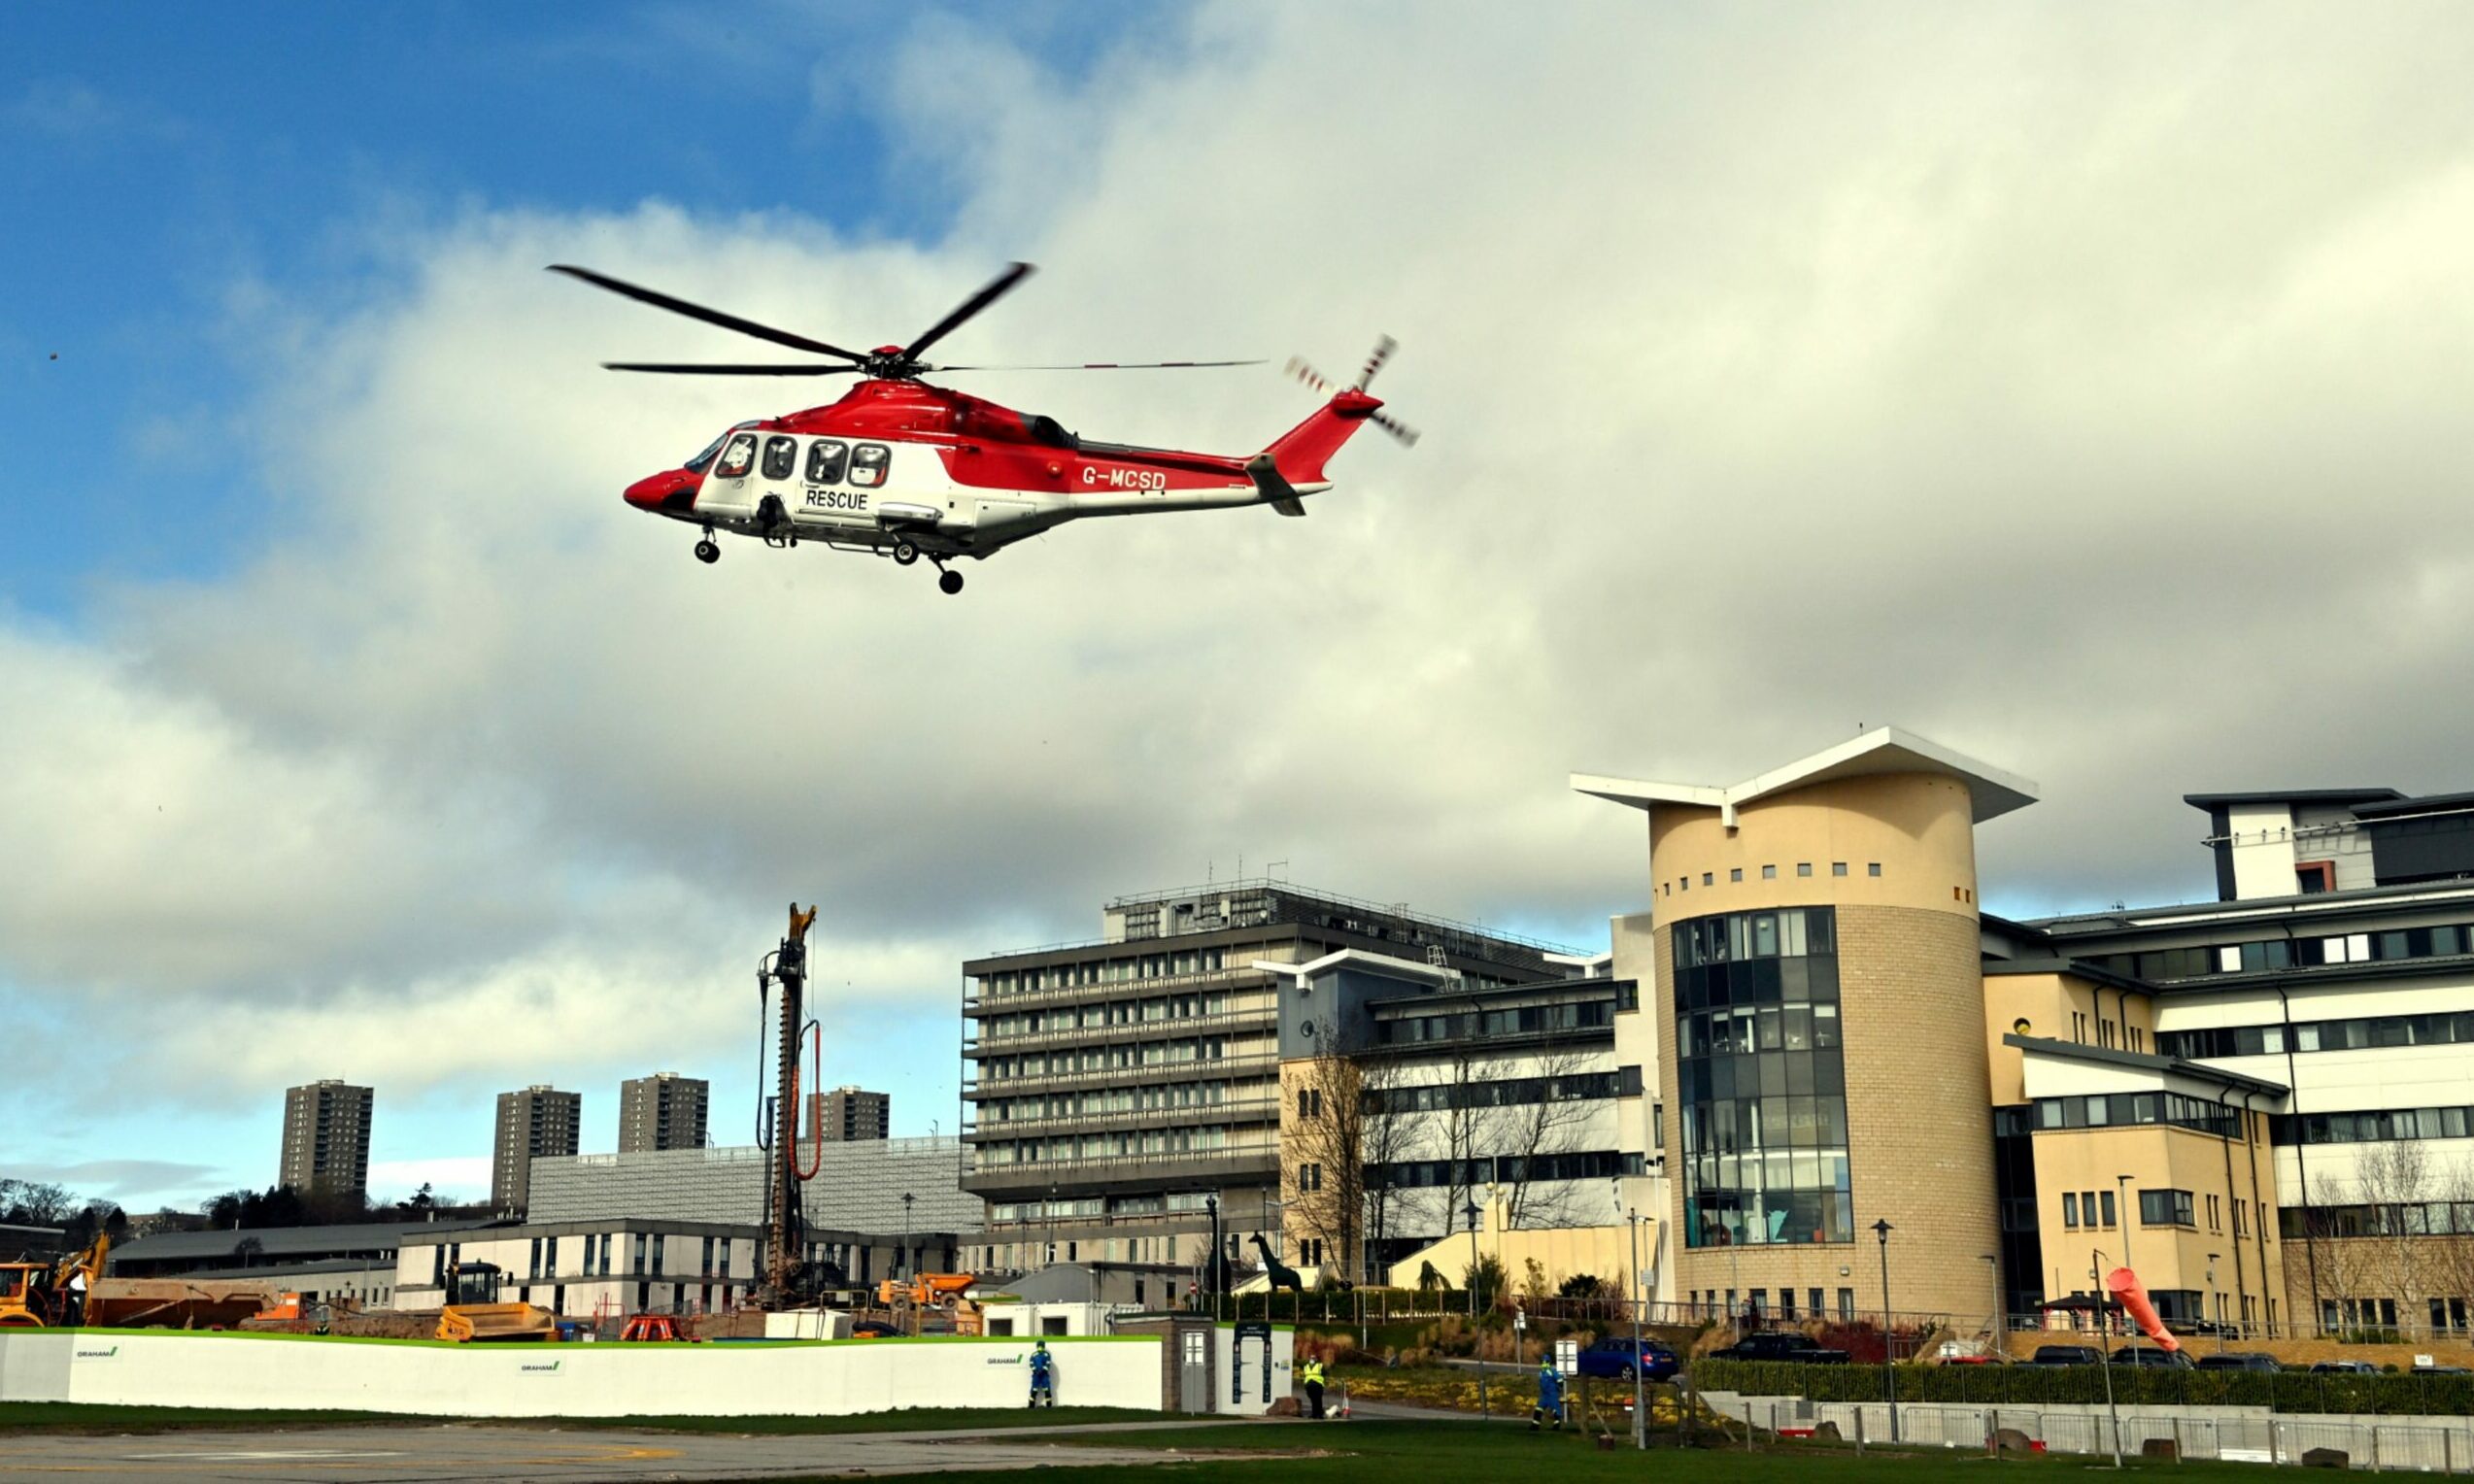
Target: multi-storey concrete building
pixel 536 1120
pixel 2259 1106
pixel 1118 1087
pixel 325 1138
pixel 849 1115
pixel 662 1111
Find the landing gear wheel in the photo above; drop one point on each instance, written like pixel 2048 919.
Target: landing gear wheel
pixel 951 582
pixel 708 552
pixel 904 553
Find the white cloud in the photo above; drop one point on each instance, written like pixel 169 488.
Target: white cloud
pixel 2053 382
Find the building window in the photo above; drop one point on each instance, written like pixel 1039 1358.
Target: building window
pixel 1735 873
pixel 2105 1203
pixel 2166 1208
pixel 1769 873
pixel 2313 877
pixel 1873 869
pixel 1707 878
pixel 2070 1208
pixel 1804 868
pixel 1847 1305
pixel 1838 867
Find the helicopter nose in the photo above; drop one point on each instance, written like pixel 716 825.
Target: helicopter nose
pixel 671 493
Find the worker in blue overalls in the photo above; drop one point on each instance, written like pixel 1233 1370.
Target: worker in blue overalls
pixel 1550 1395
pixel 1043 1375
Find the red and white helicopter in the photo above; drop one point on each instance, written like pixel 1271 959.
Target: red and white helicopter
pixel 902 468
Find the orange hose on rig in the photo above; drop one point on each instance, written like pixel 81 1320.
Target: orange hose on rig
pixel 816 1060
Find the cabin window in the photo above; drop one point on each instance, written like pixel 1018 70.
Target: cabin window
pixel 826 459
pixel 867 464
pixel 737 458
pixel 781 457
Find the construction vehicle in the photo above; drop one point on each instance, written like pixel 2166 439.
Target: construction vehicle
pixel 474 1315
pixel 37 1296
pixel 931 1303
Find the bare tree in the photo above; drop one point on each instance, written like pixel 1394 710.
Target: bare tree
pixel 1326 1181
pixel 1531 1133
pixel 1388 1140
pixel 1461 1131
pixel 2396 1179
pixel 2449 1268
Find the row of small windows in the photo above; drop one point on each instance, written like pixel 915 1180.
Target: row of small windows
pixel 1768 873
pixel 1507 1169
pixel 1105 1146
pixel 1514 1092
pixel 2274 953
pixel 1066 976
pixel 1109 1101
pixel 2106 1110
pixel 2374 1126
pixel 2364 1033
pixel 1523 1020
pixel 1064 1064
pixel 2413 1218
pixel 829 460
pixel 1101 1017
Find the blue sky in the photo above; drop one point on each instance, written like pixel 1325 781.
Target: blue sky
pixel 186 164
pixel 1998 372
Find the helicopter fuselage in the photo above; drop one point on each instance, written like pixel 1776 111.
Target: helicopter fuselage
pixel 905 469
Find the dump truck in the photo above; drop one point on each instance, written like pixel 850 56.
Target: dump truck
pixel 945 1295
pixel 473 1314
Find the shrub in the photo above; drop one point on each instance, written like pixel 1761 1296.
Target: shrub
pixel 2132 1385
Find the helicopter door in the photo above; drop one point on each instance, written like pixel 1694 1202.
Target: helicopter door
pixel 727 492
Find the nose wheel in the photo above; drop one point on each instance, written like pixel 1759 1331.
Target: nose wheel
pixel 708 552
pixel 950 581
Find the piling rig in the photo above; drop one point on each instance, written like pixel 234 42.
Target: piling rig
pixel 785 970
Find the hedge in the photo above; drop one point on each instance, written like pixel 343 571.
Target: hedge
pixel 2399 1395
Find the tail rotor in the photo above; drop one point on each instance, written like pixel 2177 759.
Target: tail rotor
pixel 1322 386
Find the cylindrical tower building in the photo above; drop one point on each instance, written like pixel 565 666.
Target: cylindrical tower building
pixel 1821 1031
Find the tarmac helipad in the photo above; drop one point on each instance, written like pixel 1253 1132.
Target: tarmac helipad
pixel 415 1453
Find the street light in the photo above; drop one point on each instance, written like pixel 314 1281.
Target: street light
pixel 1881 1231
pixel 2216 1304
pixel 2104 1357
pixel 2121 1184
pixel 1632 1296
pixel 1476 1339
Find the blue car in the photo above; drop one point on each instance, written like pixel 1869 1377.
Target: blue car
pixel 1614 1358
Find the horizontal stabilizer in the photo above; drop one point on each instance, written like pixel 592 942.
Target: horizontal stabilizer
pixel 1281 495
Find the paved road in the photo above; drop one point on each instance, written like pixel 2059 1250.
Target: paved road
pixel 419 1453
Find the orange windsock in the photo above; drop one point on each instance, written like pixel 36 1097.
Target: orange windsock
pixel 2124 1286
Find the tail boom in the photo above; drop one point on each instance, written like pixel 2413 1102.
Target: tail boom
pixel 1300 453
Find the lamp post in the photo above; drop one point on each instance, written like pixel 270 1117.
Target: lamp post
pixel 2216 1304
pixel 1640 1407
pixel 1993 1329
pixel 1476 1338
pixel 2104 1357
pixel 2121 1184
pixel 1211 1260
pixel 1881 1231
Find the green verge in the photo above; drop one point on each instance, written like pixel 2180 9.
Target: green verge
pixel 2402 1395
pixel 25 1417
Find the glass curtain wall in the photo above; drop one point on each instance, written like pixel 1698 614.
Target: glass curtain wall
pixel 1763 1088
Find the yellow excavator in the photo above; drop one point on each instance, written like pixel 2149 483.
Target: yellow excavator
pixel 473 1314
pixel 37 1294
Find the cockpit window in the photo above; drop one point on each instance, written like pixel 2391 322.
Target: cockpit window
pixel 698 465
pixel 737 458
pixel 781 457
pixel 826 459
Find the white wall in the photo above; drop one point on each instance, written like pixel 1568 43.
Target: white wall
pixel 235 1370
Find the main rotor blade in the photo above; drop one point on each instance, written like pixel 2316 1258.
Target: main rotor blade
pixel 685 369
pixel 713 316
pixel 996 288
pixel 1107 365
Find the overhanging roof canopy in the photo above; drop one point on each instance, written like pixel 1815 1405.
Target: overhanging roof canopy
pixel 1882 749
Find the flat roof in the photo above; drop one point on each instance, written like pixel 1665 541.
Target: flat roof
pixel 1883 750
pixel 2291 797
pixel 280 1241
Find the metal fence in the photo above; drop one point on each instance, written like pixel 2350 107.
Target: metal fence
pixel 2422 1444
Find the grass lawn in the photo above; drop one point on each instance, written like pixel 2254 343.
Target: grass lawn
pixel 1428 1452
pixel 70 1417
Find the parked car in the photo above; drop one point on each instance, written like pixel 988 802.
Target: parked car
pixel 2237 1360
pixel 1614 1357
pixel 2439 1371
pixel 2066 1355
pixel 1782 1345
pixel 2150 1355
pixel 2344 1369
